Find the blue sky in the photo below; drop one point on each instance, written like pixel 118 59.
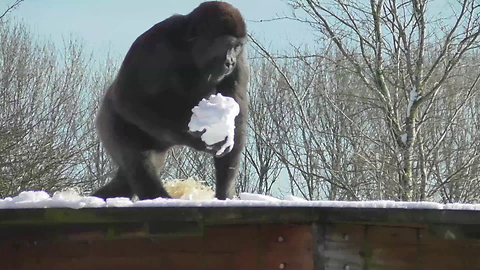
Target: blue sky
pixel 115 24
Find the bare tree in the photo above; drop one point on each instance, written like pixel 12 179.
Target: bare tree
pixel 44 112
pixel 96 166
pixel 9 9
pixel 261 163
pixel 401 56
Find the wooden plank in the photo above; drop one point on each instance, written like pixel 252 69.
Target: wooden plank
pixel 240 241
pixel 169 260
pixel 222 247
pixel 344 246
pixel 318 248
pixel 101 231
pixel 286 246
pixel 241 238
pixel 392 248
pixel 144 247
pixel 263 246
pixel 233 238
pixel 442 254
pixel 238 215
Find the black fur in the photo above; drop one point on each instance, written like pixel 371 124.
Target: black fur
pixel 166 72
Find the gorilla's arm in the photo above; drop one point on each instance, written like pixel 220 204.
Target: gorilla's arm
pixel 146 86
pixel 227 166
pixel 140 111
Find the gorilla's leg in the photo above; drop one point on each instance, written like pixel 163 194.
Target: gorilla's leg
pixel 138 174
pixel 117 187
pixel 226 170
pixel 227 166
pixel 138 156
pixel 142 173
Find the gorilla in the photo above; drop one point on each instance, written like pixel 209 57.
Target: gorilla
pixel 166 72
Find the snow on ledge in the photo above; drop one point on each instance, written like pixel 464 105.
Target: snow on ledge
pixel 40 199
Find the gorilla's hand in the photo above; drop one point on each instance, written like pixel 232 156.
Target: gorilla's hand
pixel 218 149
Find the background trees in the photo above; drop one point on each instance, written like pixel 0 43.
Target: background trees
pixel 409 66
pixel 48 96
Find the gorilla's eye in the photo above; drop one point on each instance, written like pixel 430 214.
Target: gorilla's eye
pixel 201 29
pixel 196 32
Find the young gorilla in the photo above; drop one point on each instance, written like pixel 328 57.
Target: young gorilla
pixel 166 72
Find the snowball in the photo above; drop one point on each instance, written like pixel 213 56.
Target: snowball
pixel 215 116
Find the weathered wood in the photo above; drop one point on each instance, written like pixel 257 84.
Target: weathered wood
pixel 239 215
pixel 444 253
pixel 239 238
pixel 344 247
pixel 227 247
pixel 318 249
pixel 389 247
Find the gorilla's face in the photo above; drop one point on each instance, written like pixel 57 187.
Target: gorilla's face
pixel 218 57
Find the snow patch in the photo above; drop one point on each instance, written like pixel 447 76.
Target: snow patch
pixel 216 116
pixel 413 97
pixel 294 198
pixel 404 138
pixel 257 197
pixel 40 199
pixel 118 202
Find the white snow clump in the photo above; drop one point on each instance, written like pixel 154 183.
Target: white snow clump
pixel 216 115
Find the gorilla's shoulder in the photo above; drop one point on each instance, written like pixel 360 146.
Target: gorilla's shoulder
pixel 166 30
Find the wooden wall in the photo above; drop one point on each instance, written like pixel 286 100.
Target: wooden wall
pixel 345 246
pixel 239 238
pixel 219 247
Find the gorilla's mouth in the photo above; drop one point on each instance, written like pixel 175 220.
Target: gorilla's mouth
pixel 215 79
pixel 228 70
pixel 220 75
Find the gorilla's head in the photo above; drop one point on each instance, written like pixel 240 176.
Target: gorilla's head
pixel 216 36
